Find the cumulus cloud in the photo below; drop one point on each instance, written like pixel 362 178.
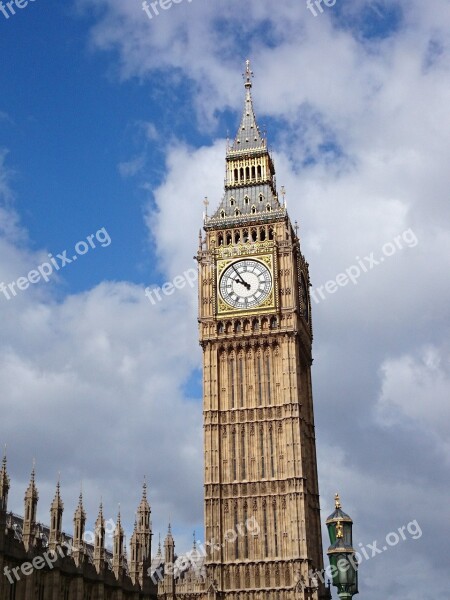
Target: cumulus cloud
pixel 361 132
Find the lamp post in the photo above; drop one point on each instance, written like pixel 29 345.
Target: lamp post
pixel 344 568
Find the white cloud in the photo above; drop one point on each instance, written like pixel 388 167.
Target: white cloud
pixel 415 393
pixel 112 367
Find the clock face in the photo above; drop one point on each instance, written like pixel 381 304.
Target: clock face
pixel 245 284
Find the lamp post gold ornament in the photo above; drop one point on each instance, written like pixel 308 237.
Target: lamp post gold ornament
pixel 344 567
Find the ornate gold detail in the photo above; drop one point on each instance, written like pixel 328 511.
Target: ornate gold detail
pixel 337 501
pixel 339 530
pixel 268 259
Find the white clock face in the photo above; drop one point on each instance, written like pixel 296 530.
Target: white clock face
pixel 245 284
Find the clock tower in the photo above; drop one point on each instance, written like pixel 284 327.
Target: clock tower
pixel 262 514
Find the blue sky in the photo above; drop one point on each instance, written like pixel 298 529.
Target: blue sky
pixel 108 119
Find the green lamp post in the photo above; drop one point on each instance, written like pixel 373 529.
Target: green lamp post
pixel 344 568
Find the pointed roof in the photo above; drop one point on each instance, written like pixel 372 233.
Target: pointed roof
pixel 144 505
pixel 159 552
pixel 248 136
pixel 119 528
pixel 338 515
pixel 169 537
pixel 80 512
pixel 31 491
pixel 57 503
pixel 100 519
pixel 248 197
pixel 4 478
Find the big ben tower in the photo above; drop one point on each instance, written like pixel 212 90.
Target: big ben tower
pixel 256 335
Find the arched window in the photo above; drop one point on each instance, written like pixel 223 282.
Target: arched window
pixel 233 455
pixel 269 399
pixel 246 199
pixel 253 211
pixel 259 172
pixel 243 471
pixel 220 327
pixel 229 238
pixel 254 233
pixel 247 173
pixel 268 208
pixel 222 213
pixel 270 233
pixel 241 381
pixel 253 173
pixel 220 239
pixel 241 174
pixel 237 237
pixel 261 197
pixel 236 175
pixel 259 376
pixel 231 201
pixel 262 234
pixel 232 390
pixel 263 465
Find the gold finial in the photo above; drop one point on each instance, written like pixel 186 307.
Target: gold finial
pixel 248 75
pixel 337 501
pixel 339 530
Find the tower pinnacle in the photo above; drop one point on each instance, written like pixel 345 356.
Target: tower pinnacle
pixel 248 75
pixel 248 137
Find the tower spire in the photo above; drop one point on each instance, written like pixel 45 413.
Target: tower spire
pixel 248 75
pixel 4 484
pixel 79 523
pixel 250 185
pixel 56 512
pixel 249 136
pixel 31 500
pixel 4 490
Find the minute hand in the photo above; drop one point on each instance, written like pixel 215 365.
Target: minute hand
pixel 247 285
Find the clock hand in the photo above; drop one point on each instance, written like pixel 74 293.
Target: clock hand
pixel 240 281
pixel 247 285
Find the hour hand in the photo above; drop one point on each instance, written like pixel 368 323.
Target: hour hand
pixel 247 285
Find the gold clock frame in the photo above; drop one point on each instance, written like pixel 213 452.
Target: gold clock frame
pixel 259 251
